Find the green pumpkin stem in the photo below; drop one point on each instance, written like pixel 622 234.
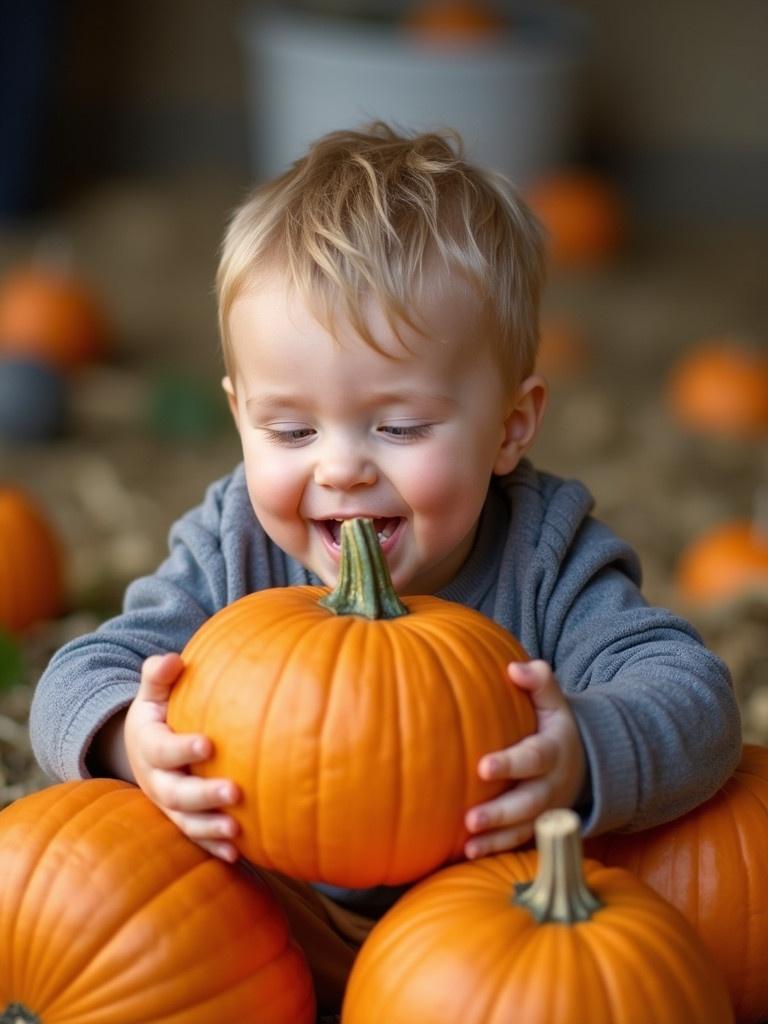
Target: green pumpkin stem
pixel 559 892
pixel 364 586
pixel 17 1013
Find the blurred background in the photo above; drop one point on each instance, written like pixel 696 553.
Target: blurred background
pixel 129 132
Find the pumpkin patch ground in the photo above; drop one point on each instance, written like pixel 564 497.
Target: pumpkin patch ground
pixel 113 482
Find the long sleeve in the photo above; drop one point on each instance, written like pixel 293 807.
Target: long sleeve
pixel 217 554
pixel 655 708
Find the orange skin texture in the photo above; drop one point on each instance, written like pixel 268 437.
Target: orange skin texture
pixel 52 316
pixel 456 950
pixel 108 913
pixel 721 388
pixel 354 743
pixel 583 215
pixel 710 864
pixel 723 563
pixel 31 575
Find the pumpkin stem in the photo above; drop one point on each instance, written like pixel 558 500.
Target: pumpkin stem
pixel 17 1013
pixel 364 586
pixel 559 891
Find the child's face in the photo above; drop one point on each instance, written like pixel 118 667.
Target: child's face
pixel 331 429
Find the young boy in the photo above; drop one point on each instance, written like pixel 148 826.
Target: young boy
pixel 378 311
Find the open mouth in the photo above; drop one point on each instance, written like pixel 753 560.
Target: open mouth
pixel 385 527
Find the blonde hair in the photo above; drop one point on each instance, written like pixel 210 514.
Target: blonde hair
pixel 359 215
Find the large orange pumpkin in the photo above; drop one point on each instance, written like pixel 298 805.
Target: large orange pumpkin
pixel 721 387
pixel 711 864
pixel 109 914
pixel 31 575
pixel 724 562
pixel 354 727
pixel 477 943
pixel 50 314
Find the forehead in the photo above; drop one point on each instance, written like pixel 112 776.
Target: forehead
pixel 445 313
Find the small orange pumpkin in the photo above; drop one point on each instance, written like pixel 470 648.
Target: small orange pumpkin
pixel 721 387
pixel 452 21
pixel 583 214
pixel 711 865
pixel 540 939
pixel 31 574
pixel 108 913
pixel 51 315
pixel 724 562
pixel 353 722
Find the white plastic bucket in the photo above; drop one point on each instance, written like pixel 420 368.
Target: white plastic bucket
pixel 514 99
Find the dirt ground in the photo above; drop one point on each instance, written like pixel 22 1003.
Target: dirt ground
pixel 113 485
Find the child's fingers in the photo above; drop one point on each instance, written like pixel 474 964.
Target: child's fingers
pixel 538 679
pixel 516 807
pixel 213 832
pixel 498 842
pixel 167 750
pixel 175 791
pixel 158 674
pixel 533 756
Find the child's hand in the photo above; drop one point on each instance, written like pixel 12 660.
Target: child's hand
pixel 158 758
pixel 550 765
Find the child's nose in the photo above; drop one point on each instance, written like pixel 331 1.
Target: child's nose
pixel 345 468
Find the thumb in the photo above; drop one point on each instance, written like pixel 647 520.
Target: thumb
pixel 158 674
pixel 539 680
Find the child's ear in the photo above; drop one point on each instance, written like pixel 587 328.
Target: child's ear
pixel 229 390
pixel 522 423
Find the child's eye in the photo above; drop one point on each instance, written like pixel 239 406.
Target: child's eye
pixel 403 432
pixel 289 436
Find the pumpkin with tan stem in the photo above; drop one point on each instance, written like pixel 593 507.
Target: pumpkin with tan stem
pixel 31 574
pixel 540 939
pixel 711 864
pixel 109 914
pixel 353 722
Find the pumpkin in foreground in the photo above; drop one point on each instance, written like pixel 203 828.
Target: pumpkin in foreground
pixel 540 939
pixel 109 914
pixel 31 584
pixel 711 864
pixel 353 722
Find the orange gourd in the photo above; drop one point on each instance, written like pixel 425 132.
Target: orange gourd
pixel 711 864
pixel 31 575
pixel 108 913
pixel 477 943
pixel 583 215
pixel 354 728
pixel 721 387
pixel 729 560
pixel 49 314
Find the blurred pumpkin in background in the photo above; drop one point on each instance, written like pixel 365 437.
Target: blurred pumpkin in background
pixel 563 350
pixel 721 387
pixel 452 21
pixel 31 576
pixel 723 562
pixel 584 216
pixel 48 313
